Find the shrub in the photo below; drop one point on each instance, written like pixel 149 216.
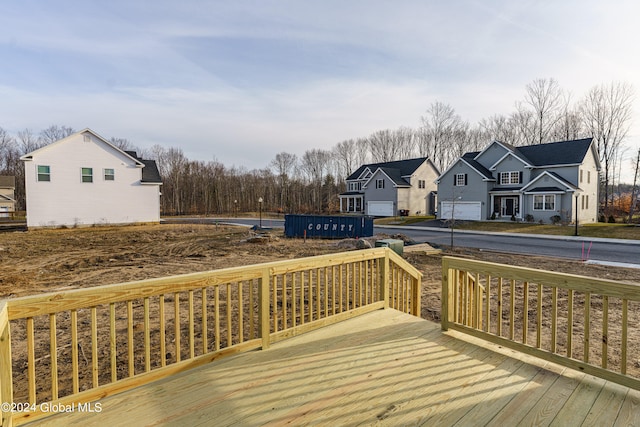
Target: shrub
pixel 611 220
pixel 529 218
pixel 493 216
pixel 513 217
pixel 556 219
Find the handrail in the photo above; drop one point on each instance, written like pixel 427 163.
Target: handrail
pixel 119 336
pixel 576 321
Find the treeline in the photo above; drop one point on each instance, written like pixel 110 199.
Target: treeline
pixel 311 182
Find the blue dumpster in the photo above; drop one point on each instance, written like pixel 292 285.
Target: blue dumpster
pixel 328 227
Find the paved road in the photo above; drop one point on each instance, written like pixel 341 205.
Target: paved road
pixel 609 250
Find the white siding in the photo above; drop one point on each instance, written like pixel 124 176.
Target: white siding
pixel 66 200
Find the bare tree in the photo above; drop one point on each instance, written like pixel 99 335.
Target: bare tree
pixel 606 112
pixel 284 164
pixel 54 133
pixel 345 154
pixel 314 164
pixel 545 97
pixel 440 123
pixel 382 146
pixel 569 125
pixel 122 143
pixel 28 141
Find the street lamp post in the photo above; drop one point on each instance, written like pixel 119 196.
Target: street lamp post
pixel 235 207
pixel 260 207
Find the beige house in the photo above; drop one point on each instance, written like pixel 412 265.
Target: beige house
pixel 402 187
pixel 7 195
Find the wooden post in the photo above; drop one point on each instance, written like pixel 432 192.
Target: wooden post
pixel 6 375
pixel 263 298
pixel 447 280
pixel 384 278
pixel 416 296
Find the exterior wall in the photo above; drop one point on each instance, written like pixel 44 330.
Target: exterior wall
pixel 589 186
pixel 418 198
pixel 386 194
pixel 511 164
pixel 476 189
pixel 66 200
pixel 491 155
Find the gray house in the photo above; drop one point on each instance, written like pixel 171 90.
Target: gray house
pixel 531 183
pixel 404 187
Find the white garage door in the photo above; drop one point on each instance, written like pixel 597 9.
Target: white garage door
pixel 461 210
pixel 380 208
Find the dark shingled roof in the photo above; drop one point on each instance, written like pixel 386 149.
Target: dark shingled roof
pixel 395 170
pixel 469 158
pixel 150 172
pixel 555 153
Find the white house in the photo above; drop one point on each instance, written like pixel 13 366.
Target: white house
pixel 84 180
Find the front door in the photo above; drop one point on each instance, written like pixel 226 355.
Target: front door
pixel 509 206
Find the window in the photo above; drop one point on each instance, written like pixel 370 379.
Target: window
pixel 355 186
pixel 87 137
pixel 588 177
pixel 585 201
pixel 44 173
pixel 460 179
pixel 109 175
pixel 87 174
pixel 581 173
pixel 544 202
pixel 510 178
pixel 379 183
pixel 421 183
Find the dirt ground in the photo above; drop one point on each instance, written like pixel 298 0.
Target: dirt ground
pixel 51 260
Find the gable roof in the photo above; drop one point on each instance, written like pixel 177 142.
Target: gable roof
pixel 403 167
pixel 556 153
pixel 392 174
pixel 150 172
pixel 29 156
pixel 560 180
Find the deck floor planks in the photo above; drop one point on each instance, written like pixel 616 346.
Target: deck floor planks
pixel 384 368
pixel 607 406
pixel 581 401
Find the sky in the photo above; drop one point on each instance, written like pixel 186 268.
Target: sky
pixel 240 81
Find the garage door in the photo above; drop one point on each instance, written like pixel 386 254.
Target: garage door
pixel 462 210
pixel 380 208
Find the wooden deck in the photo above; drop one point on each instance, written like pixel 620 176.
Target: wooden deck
pixel 385 368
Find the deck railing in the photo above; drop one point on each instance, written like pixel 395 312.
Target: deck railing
pixel 580 322
pixel 77 346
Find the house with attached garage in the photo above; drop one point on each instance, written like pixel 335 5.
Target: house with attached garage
pixel 84 180
pixel 402 187
pixel 543 182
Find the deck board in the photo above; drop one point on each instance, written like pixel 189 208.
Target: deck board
pixel 382 368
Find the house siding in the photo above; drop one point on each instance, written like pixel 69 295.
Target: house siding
pixel 418 198
pixel 67 201
pixel 562 180
pixel 476 190
pixel 386 194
